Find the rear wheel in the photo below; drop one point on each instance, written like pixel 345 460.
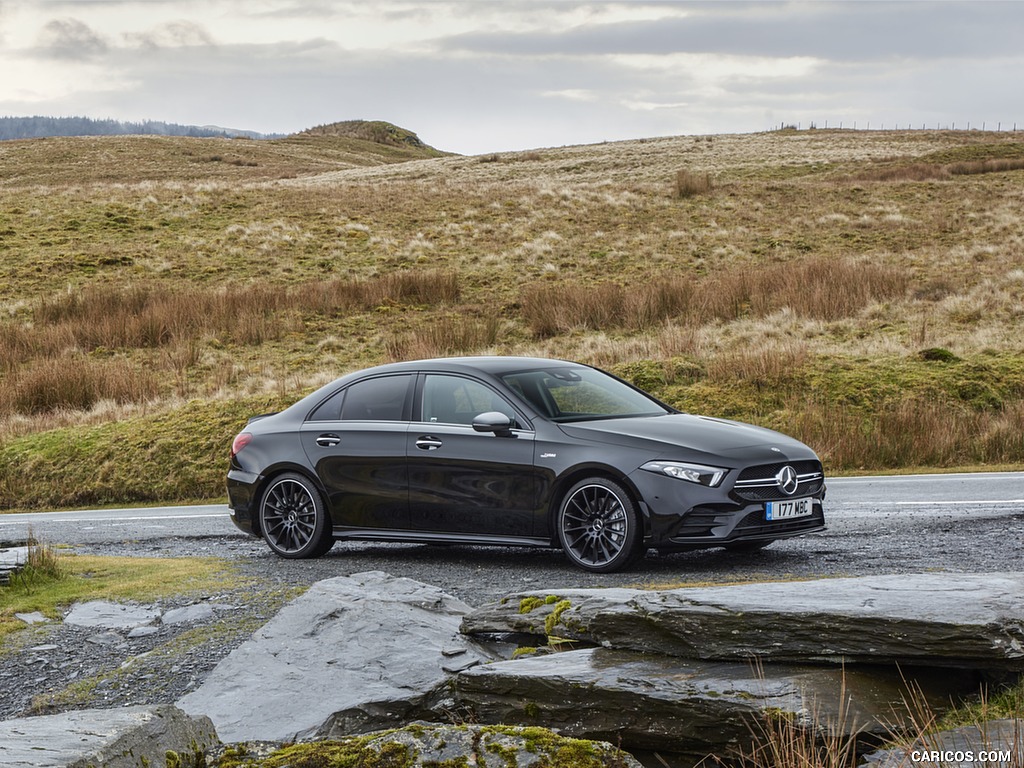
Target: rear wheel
pixel 599 526
pixel 293 518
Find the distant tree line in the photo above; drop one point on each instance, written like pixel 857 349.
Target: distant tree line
pixel 40 127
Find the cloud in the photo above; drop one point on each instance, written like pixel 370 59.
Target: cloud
pixel 572 94
pixel 848 31
pixel 70 39
pixel 171 34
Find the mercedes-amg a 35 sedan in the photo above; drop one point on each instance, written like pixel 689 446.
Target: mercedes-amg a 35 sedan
pixel 515 451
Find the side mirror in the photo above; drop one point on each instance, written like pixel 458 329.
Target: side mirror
pixel 493 421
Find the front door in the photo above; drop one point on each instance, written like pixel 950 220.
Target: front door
pixel 463 481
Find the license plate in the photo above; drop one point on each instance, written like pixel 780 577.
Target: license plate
pixel 786 510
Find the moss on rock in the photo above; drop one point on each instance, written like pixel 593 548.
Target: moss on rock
pixel 437 746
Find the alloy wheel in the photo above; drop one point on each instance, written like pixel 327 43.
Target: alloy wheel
pixel 595 526
pixel 289 517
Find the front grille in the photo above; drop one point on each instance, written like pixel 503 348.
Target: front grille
pixel 759 484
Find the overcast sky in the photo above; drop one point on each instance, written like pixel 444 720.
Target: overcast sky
pixel 492 75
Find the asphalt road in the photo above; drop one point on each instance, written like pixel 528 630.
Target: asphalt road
pixel 902 524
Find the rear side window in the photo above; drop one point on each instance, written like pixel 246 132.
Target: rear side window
pixel 329 409
pixel 381 399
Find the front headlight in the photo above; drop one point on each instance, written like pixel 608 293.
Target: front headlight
pixel 694 473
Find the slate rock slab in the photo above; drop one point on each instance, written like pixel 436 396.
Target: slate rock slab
pixel 934 619
pixel 103 738
pixel 35 617
pixel 353 654
pixel 102 614
pixel 692 707
pixel 188 614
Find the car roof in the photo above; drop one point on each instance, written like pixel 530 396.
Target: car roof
pixel 494 364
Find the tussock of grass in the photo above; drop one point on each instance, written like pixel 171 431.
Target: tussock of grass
pixel 154 315
pixel 444 337
pixel 690 184
pixel 75 383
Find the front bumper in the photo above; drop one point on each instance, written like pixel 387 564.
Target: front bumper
pixel 685 516
pixel 713 527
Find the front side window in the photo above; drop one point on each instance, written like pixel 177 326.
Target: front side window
pixel 455 400
pixel 379 399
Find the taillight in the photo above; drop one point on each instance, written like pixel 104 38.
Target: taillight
pixel 241 440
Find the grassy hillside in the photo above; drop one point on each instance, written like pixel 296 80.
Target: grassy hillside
pixel 863 291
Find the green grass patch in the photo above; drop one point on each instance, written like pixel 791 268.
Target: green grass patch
pixel 1000 704
pixel 184 452
pixel 78 578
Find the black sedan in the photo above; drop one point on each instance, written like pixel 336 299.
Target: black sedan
pixel 515 451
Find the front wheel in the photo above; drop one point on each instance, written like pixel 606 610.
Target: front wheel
pixel 293 518
pixel 599 526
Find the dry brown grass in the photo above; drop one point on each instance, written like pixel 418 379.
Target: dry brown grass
pixel 916 433
pixel 690 184
pixel 1000 165
pixel 153 315
pixel 444 337
pixel 821 288
pixel 75 383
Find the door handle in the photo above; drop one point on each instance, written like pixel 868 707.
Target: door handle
pixel 428 443
pixel 328 441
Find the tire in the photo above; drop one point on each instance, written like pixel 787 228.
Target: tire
pixel 599 526
pixel 293 518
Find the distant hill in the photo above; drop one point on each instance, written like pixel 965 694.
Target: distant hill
pixel 377 131
pixel 42 127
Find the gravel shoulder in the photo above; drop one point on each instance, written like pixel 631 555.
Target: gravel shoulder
pixel 56 667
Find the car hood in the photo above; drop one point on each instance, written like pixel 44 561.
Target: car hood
pixel 679 435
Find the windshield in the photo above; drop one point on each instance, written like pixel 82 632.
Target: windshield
pixel 578 394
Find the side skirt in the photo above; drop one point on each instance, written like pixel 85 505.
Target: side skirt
pixel 427 537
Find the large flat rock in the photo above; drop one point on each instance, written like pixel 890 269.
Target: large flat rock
pixel 354 654
pixel 933 619
pixel 129 737
pixel 645 701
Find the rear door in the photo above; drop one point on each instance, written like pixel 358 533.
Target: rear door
pixel 356 440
